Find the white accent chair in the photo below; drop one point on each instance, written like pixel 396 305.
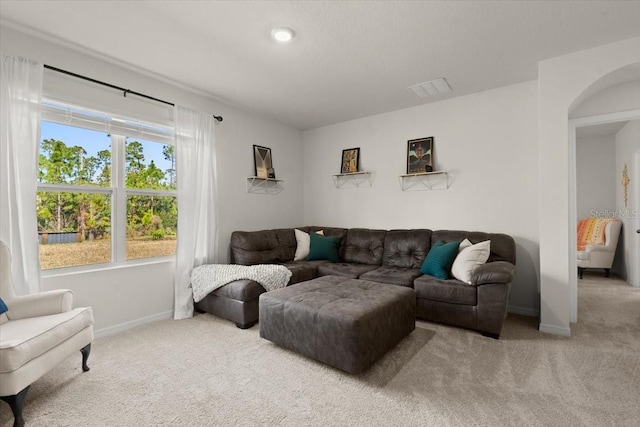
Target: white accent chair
pixel 37 333
pixel 601 256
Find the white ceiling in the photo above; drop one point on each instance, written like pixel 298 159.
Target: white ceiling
pixel 609 129
pixel 348 60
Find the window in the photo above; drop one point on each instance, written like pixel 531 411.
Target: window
pixel 106 189
pixel 152 210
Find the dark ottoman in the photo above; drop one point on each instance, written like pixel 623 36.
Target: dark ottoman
pixel 346 323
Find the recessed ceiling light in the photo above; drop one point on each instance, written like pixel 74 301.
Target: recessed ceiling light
pixel 282 34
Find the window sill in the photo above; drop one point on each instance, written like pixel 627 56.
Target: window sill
pixel 93 268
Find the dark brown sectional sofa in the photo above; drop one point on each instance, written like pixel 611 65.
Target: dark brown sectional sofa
pixel 393 257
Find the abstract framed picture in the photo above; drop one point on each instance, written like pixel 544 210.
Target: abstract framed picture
pixel 420 155
pixel 350 160
pixel 263 163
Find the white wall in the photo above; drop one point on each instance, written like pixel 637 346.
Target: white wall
pixel 128 294
pixel 486 141
pixel 595 175
pixel 561 81
pixel 627 142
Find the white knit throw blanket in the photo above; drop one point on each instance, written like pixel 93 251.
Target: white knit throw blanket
pixel 207 278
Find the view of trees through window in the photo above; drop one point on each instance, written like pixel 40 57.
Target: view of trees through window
pixel 86 191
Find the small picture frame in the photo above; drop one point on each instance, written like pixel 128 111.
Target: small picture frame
pixel 350 160
pixel 263 163
pixel 420 155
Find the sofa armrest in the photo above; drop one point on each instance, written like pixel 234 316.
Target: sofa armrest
pixel 493 272
pixel 598 248
pixel 40 304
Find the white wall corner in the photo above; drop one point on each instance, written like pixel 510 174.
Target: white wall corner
pixel 555 330
pixel 523 311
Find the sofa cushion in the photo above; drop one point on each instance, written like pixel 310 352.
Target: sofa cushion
pixel 406 248
pixel 449 291
pixel 303 270
pixel 256 247
pixel 25 339
pixel 324 248
pixel 364 246
pixel 439 259
pixel 503 247
pixel 469 257
pixel 303 242
pixel 344 269
pixel 287 243
pixel 240 290
pixel 264 246
pixel 393 275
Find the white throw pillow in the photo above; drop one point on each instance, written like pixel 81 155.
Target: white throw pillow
pixel 469 257
pixel 303 239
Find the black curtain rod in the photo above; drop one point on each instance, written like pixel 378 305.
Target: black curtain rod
pixel 125 91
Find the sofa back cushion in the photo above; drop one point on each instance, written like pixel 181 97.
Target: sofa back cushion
pixel 263 247
pixel 332 231
pixel 328 231
pixel 364 246
pixel 406 248
pixel 503 247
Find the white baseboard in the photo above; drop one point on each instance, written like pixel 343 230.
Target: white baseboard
pixel 524 311
pixel 556 330
pixel 132 324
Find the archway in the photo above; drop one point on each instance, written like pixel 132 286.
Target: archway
pixel 562 82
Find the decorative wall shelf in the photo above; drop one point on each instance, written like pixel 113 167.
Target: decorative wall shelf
pixel 438 180
pixel 353 180
pixel 264 185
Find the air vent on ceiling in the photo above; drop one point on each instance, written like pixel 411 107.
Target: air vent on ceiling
pixel 433 87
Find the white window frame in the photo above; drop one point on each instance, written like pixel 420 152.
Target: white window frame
pixel 119 128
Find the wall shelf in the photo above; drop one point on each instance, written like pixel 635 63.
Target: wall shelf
pixel 264 185
pixel 438 180
pixel 353 180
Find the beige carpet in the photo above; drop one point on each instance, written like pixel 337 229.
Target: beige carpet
pixel 206 372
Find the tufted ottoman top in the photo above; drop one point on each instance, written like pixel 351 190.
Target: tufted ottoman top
pixel 340 296
pixel 346 323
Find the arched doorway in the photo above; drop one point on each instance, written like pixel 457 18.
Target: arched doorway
pixel 562 82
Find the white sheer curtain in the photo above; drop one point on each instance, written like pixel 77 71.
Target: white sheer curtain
pixel 21 90
pixel 196 169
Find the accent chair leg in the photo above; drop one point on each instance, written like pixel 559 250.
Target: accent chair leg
pixel 246 325
pixel 490 335
pixel 580 272
pixel 607 271
pixel 16 402
pixel 85 356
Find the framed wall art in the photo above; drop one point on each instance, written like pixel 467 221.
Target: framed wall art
pixel 420 155
pixel 350 160
pixel 263 162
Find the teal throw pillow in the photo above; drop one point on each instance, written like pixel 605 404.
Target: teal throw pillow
pixel 323 248
pixel 3 307
pixel 440 259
